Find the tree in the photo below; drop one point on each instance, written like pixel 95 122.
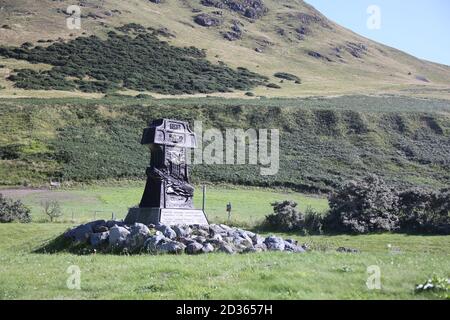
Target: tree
pixel 52 209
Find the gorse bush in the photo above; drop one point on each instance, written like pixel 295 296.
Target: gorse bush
pixel 313 222
pixel 138 61
pixel 368 205
pixel 11 211
pixel 424 211
pixel 285 217
pixel 287 76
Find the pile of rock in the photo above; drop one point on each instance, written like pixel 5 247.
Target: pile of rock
pixel 116 236
pixel 207 20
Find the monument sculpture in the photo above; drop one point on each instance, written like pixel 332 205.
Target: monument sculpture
pixel 167 197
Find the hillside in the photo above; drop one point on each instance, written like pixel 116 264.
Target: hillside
pixel 323 142
pixel 264 36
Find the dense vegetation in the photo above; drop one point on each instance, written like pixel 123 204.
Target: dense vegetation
pixel 366 206
pixel 323 142
pixel 11 211
pixel 369 205
pixel 138 61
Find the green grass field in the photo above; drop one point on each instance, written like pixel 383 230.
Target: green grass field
pixel 321 274
pixel 404 261
pixel 94 202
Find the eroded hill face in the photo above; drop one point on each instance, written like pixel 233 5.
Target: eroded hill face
pixel 265 36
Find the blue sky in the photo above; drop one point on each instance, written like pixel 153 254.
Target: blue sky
pixel 419 27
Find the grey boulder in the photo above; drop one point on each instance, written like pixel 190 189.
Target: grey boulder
pixel 98 239
pixel 167 231
pixel 194 248
pixel 182 231
pixel 138 235
pixel 82 232
pixel 170 246
pixel 274 243
pixel 226 248
pixel 118 235
pixel 152 242
pixel 207 248
pixel 292 247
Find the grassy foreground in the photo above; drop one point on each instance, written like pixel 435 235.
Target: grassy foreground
pixel 321 274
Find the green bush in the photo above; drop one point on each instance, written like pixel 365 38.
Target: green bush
pixel 13 211
pixel 313 222
pixel 285 217
pixel 424 211
pixel 370 205
pixel 273 86
pixel 364 206
pixel 287 76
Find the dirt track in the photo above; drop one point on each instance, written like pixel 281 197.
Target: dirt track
pixel 18 193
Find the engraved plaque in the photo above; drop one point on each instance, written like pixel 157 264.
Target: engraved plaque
pixel 182 216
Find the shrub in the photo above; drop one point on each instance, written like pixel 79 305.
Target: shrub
pixel 287 76
pixel 273 86
pixel 13 211
pixel 424 211
pixel 313 222
pixel 285 217
pixel 52 209
pixel 363 206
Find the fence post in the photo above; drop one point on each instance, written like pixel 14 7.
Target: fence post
pixel 204 198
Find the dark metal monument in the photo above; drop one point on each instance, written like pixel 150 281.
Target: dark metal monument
pixel 168 194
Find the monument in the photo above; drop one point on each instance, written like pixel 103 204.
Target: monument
pixel 167 197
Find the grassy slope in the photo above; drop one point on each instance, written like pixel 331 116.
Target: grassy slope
pixel 381 70
pixel 323 141
pixel 317 275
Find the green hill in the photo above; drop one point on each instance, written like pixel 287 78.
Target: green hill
pixel 266 37
pixel 323 141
